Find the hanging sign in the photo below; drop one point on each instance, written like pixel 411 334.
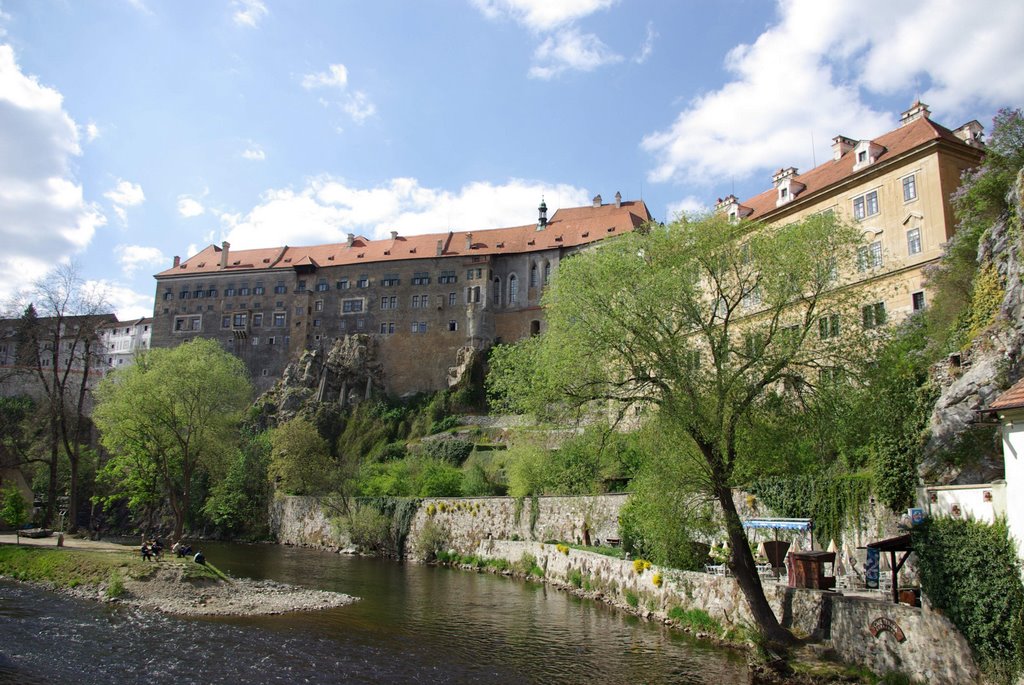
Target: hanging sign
pixel 884 623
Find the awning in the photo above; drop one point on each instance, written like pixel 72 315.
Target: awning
pixel 779 524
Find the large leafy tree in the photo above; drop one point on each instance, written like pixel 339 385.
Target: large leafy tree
pixel 172 413
pixel 711 323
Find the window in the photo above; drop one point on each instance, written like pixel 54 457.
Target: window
pixel 783 193
pixel 451 299
pixel 257 319
pixel 415 301
pixel 225 321
pixel 910 188
pixel 198 294
pixel 387 328
pixel 352 306
pixel 869 256
pixel 279 304
pixel 271 340
pixel 419 326
pixel 389 280
pixel 280 288
pixel 753 344
pixel 547 272
pixel 259 290
pixel 363 282
pixel 384 302
pixel 917 299
pixel 183 295
pixel 421 278
pixel 497 290
pixel 865 205
pixel 243 291
pixel 533 276
pixel 513 289
pixel 321 285
pixel 447 277
pixel 300 310
pixel 752 298
pixel 360 324
pixel 300 287
pixel 316 323
pixel 212 292
pixel 168 296
pixel 239 320
pixel 472 274
pixel 255 340
pixel 279 319
pixel 187 323
pixel 453 325
pixel 318 306
pixel 230 291
pixel 342 284
pixel 873 315
pixel 914 241
pixel 828 326
pixel 862 156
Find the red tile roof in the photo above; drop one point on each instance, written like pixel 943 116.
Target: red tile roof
pixel 570 227
pixel 1011 399
pixel 903 139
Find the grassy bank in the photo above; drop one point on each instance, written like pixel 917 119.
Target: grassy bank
pixel 73 568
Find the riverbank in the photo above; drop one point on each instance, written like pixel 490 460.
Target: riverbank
pixel 112 573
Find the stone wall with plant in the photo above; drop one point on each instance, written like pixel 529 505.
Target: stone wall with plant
pixel 465 522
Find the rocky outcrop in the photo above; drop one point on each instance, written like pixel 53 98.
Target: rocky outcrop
pixel 345 374
pixel 969 382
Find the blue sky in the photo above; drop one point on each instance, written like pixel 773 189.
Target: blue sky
pixel 135 130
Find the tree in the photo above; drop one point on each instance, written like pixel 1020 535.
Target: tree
pixel 300 463
pixel 58 345
pixel 14 511
pixel 171 414
pixel 704 320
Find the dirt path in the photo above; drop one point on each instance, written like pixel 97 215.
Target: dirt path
pixel 69 541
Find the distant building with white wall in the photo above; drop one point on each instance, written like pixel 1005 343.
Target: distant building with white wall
pixel 122 340
pixel 1009 407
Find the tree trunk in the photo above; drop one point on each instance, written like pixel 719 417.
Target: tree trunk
pixel 51 486
pixel 72 525
pixel 745 570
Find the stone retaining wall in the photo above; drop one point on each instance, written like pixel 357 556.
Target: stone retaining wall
pixel 301 521
pixel 469 521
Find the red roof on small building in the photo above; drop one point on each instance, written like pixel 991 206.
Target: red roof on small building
pixel 1011 399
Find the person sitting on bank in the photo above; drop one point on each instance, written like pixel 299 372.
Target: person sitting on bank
pixel 176 548
pixel 199 558
pixel 146 553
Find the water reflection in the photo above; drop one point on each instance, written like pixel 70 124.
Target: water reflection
pixel 412 624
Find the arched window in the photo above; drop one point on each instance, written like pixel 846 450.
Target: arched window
pixel 476 293
pixel 547 272
pixel 497 290
pixel 535 327
pixel 533 275
pixel 513 289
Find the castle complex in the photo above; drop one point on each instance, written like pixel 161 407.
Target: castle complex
pixel 423 302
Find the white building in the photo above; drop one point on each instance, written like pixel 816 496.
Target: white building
pixel 1009 407
pixel 123 340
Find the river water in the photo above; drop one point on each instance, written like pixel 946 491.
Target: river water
pixel 412 624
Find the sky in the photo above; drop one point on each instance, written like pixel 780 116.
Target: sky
pixel 132 131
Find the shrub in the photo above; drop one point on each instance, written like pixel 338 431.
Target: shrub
pixel 632 599
pixel 564 549
pixel 433 539
pixel 576 578
pixel 657 580
pixel 431 509
pixel 440 479
pixel 452 450
pixel 447 423
pixel 697 620
pixel 115 586
pixel 970 571
pixel 370 530
pixel 527 565
pixel 640 565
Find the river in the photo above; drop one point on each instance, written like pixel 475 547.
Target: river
pixel 412 624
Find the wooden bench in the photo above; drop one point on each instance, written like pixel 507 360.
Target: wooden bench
pixel 613 542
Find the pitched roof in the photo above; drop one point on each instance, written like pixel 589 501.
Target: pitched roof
pixel 897 142
pixel 1011 399
pixel 570 227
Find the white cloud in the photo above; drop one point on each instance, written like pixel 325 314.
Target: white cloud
pixel 92 131
pixel 359 107
pixel 125 194
pixel 127 304
pixel 804 76
pixel 647 47
pixel 254 153
pixel 570 49
pixel 44 218
pixel 541 15
pixel 189 207
pixel 248 13
pixel 133 257
pixel 688 205
pixel 326 209
pixel 336 76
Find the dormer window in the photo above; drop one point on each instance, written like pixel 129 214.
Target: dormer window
pixel 867 153
pixel 862 156
pixel 783 193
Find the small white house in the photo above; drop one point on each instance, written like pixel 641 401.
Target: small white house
pixel 1009 407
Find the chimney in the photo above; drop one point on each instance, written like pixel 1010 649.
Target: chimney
pixel 469 241
pixel 542 215
pixel 177 261
pixel 971 133
pixel 351 239
pixel 782 174
pixel 618 199
pixel 841 145
pixel 394 235
pixel 725 202
pixel 440 247
pixel 916 111
pixel 224 254
pixel 597 200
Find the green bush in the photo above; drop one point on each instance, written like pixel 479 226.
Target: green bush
pixel 632 599
pixel 452 450
pixel 696 619
pixel 370 530
pixel 447 423
pixel 970 571
pixel 433 539
pixel 440 479
pixel 576 578
pixel 115 586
